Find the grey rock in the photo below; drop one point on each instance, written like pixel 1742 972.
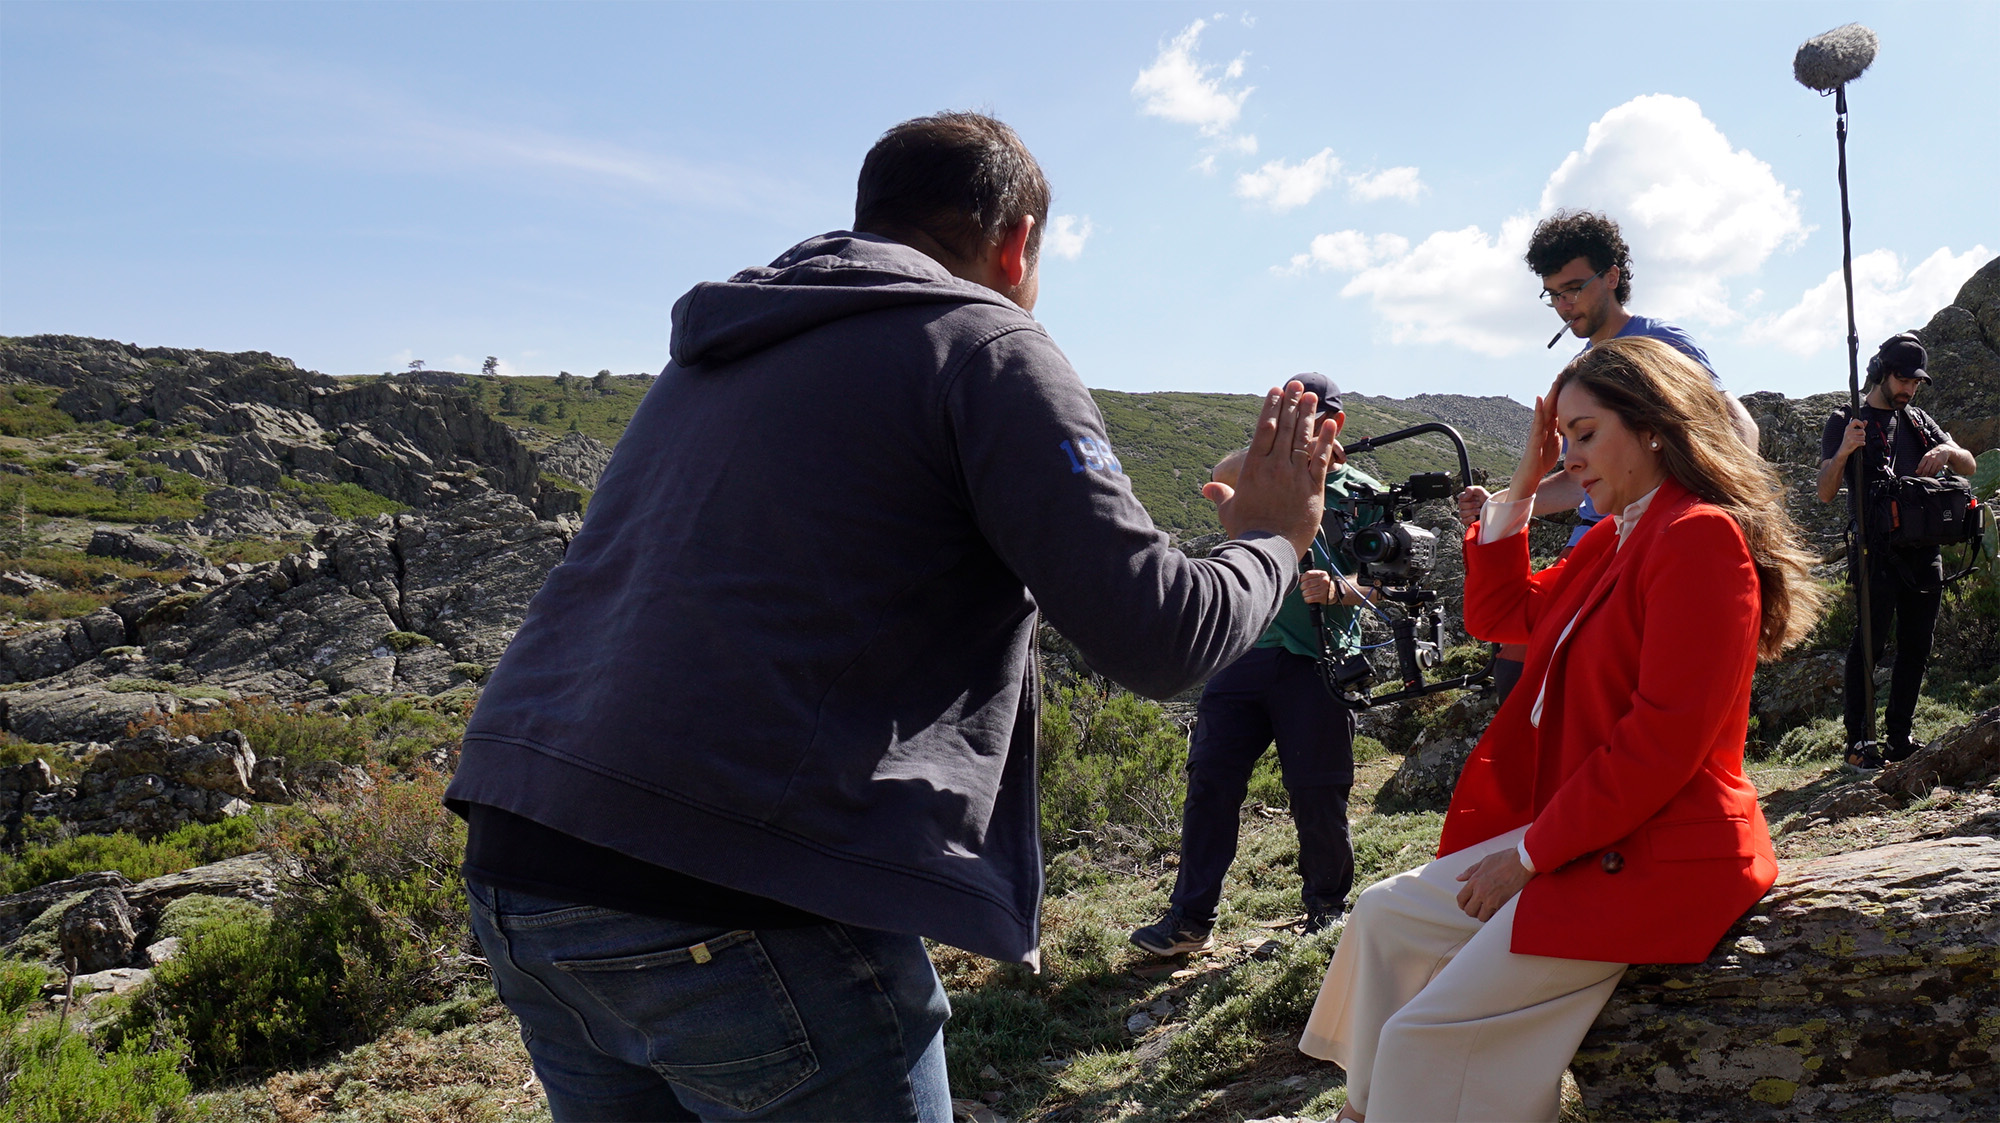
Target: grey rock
pixel 20 584
pixel 116 980
pixel 162 950
pixel 1794 690
pixel 251 877
pixel 80 714
pixel 267 781
pixel 1968 755
pixel 29 777
pixel 577 458
pixel 18 910
pixel 1862 987
pixel 97 932
pixel 38 653
pixel 130 545
pixel 1430 769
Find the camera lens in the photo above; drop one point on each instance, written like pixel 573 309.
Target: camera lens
pixel 1376 544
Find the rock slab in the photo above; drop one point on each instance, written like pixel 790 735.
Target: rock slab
pixel 1864 986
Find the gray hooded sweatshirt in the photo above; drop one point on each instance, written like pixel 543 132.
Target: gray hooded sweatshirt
pixel 791 651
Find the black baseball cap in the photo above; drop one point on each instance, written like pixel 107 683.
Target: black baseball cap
pixel 1321 385
pixel 1901 355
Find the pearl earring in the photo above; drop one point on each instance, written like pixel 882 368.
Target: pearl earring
pixel 1656 446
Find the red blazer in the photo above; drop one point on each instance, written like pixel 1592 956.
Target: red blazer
pixel 1647 834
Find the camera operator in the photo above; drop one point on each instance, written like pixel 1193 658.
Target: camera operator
pixel 1904 582
pixel 1586 272
pixel 1275 691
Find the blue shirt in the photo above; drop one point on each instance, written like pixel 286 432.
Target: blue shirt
pixel 1669 334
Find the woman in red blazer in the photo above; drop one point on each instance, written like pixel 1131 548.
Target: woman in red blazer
pixel 1604 818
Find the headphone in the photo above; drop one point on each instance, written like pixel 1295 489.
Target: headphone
pixel 1875 371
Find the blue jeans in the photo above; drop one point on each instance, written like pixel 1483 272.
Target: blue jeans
pixel 637 1018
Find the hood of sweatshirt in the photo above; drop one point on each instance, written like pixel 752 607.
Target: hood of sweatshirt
pixel 815 282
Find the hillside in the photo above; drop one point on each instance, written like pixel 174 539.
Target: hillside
pixel 1166 441
pixel 245 611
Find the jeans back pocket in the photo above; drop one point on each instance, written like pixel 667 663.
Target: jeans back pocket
pixel 715 1015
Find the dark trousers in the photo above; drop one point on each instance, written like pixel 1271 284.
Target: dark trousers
pixel 1912 606
pixel 1268 694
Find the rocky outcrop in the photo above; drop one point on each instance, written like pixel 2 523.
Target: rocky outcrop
pixel 1963 340
pixel 260 419
pixel 1863 987
pixel 404 604
pixel 47 717
pixel 106 922
pixel 145 785
pixel 577 458
pixel 1423 782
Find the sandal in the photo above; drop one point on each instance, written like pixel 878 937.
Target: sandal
pixel 1862 757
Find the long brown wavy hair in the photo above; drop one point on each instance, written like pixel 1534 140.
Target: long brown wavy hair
pixel 1658 391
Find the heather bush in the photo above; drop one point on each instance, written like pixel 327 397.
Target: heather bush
pixel 373 926
pixel 50 1071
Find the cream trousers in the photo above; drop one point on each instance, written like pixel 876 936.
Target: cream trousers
pixel 1435 1019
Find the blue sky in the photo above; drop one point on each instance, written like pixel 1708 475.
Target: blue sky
pixel 1242 192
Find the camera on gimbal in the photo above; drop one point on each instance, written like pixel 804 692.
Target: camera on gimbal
pixel 1375 529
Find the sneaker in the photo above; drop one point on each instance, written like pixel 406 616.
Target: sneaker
pixel 1174 935
pixel 1899 751
pixel 1862 757
pixel 1322 920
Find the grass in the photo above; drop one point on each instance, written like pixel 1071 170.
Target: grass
pixel 342 500
pixel 54 489
pixel 1168 442
pixel 184 848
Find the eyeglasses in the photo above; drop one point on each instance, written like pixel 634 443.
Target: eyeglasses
pixel 1569 295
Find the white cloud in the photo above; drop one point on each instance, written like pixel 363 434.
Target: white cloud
pixel 1463 287
pixel 1695 211
pixel 1283 186
pixel 1181 88
pixel 1389 183
pixel 1887 300
pixel 1066 235
pixel 1349 251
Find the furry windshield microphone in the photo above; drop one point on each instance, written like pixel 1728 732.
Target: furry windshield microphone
pixel 1827 62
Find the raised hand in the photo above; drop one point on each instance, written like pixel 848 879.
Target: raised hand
pixel 1280 487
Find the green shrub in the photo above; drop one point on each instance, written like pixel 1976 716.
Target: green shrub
pixel 184 917
pixel 28 410
pixel 55 490
pixel 1110 762
pixel 51 1072
pixel 195 844
pixel 21 982
pixel 343 500
pixel 367 936
pixel 406 641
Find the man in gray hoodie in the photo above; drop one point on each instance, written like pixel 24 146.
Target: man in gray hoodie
pixel 771 723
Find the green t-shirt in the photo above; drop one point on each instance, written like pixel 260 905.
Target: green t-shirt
pixel 1293 628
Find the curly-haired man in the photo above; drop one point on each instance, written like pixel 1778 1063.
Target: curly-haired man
pixel 1586 272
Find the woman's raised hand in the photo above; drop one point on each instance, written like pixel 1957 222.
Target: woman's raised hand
pixel 1544 447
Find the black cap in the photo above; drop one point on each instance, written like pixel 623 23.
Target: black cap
pixel 1321 385
pixel 1901 355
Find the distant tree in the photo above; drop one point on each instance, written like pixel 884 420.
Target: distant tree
pixel 416 364
pixel 19 527
pixel 490 367
pixel 572 426
pixel 539 413
pixel 562 407
pixel 510 399
pixel 602 383
pixel 562 381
